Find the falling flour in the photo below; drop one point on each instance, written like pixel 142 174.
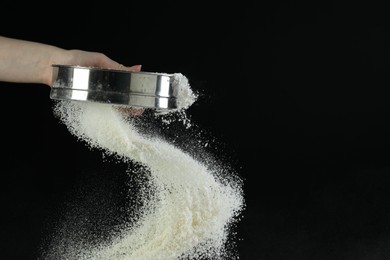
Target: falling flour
pixel 190 206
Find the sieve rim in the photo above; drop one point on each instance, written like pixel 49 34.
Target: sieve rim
pixel 121 87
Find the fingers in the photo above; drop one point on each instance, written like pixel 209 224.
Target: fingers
pixel 130 111
pixel 134 68
pixel 102 61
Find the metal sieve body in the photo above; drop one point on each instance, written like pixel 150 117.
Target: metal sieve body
pixel 135 89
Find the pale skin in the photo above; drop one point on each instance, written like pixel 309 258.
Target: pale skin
pixel 24 61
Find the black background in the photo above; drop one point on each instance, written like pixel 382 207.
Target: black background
pixel 297 93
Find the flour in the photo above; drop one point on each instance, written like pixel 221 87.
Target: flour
pixel 190 207
pixel 185 97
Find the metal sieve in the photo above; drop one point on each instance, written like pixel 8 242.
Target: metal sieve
pixel 135 89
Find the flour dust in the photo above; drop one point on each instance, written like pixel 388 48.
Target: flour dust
pixel 183 206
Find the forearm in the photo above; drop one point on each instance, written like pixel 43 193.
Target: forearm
pixel 31 62
pixel 27 62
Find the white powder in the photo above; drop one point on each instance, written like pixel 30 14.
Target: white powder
pixel 190 208
pixel 185 97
